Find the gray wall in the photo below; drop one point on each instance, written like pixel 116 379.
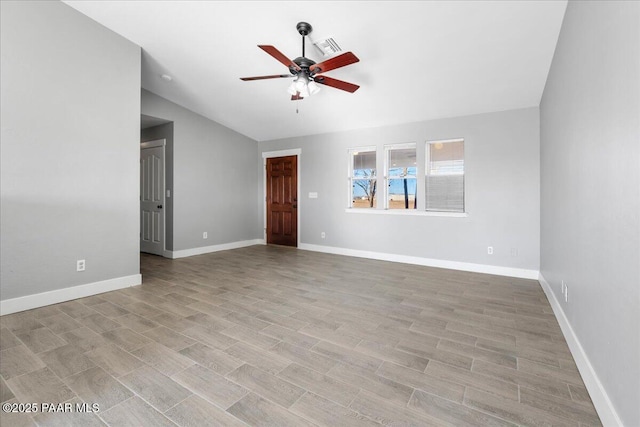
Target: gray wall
pixel 590 163
pixel 214 184
pixel 69 150
pixel 165 132
pixel 502 191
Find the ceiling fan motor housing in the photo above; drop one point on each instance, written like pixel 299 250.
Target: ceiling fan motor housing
pixel 304 64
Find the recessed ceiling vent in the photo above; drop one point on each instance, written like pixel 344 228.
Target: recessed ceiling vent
pixel 327 47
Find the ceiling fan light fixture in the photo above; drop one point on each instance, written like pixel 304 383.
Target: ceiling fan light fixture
pixel 304 90
pixel 303 86
pixel 313 87
pixel 292 88
pixel 301 82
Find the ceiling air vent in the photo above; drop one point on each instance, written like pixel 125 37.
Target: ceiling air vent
pixel 327 47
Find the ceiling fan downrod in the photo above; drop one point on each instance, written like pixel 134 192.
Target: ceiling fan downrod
pixel 304 28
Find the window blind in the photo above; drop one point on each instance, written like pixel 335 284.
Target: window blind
pixel 445 176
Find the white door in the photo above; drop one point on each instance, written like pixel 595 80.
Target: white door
pixel 152 198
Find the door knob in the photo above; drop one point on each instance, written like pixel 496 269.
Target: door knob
pixel 159 206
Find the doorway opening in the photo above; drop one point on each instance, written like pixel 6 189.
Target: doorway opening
pixel 156 206
pixel 152 218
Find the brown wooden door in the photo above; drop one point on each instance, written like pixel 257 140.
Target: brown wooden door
pixel 282 200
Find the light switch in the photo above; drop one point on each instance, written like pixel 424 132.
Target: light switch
pixel 313 195
pixel 168 193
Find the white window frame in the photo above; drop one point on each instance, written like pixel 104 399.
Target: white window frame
pixel 421 162
pixel 351 153
pixel 427 159
pixel 388 148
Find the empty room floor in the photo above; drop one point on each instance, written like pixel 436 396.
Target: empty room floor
pixel 276 336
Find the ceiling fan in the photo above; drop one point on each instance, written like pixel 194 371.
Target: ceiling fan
pixel 306 71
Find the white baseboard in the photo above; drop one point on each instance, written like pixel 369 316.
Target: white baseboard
pixel 215 248
pixel 428 262
pixel 28 302
pixel 599 396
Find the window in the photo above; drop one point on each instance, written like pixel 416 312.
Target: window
pixel 442 192
pixel 445 176
pixel 400 164
pixel 362 177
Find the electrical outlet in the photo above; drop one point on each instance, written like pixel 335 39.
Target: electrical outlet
pixel 323 235
pixel 205 235
pixel 490 250
pixel 80 265
pixel 514 252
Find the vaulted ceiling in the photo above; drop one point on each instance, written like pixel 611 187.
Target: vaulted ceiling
pixel 418 60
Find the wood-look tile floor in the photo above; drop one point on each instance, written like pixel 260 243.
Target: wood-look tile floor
pixel 275 336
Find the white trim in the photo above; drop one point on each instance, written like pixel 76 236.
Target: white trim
pixel 28 302
pixel 444 141
pixel 281 153
pixel 364 148
pixel 428 262
pixel 167 254
pixel 153 144
pixel 597 392
pixel 406 212
pixel 399 145
pixel 214 248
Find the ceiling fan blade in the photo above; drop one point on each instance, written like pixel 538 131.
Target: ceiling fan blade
pixel 296 96
pixel 338 84
pixel 345 59
pixel 279 56
pixel 274 76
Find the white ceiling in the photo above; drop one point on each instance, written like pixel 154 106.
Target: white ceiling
pixel 418 60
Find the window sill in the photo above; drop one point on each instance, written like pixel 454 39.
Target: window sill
pixel 407 212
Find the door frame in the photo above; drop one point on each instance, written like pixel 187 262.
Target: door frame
pixel 154 144
pixel 280 153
